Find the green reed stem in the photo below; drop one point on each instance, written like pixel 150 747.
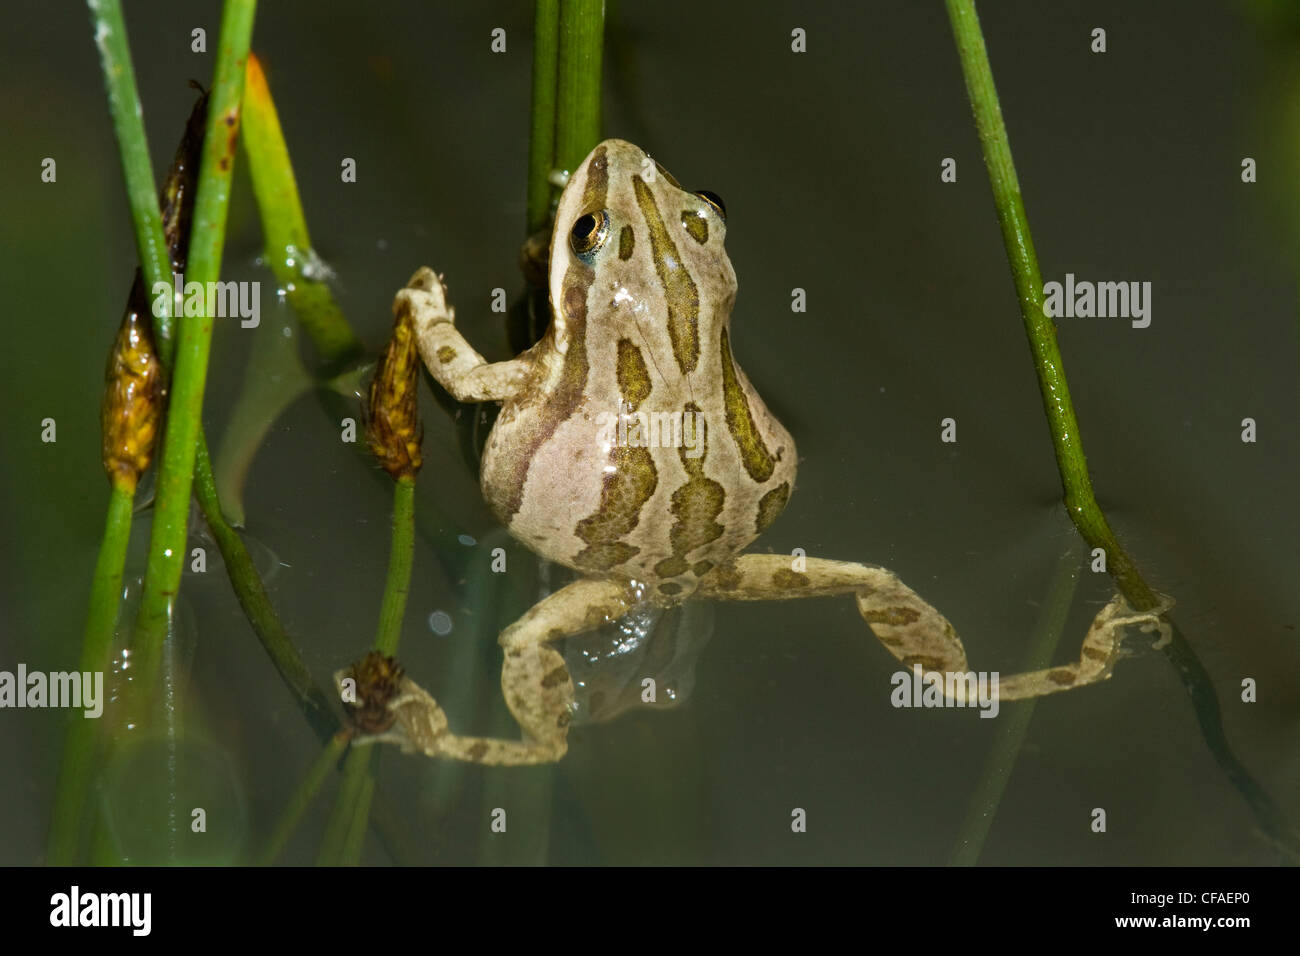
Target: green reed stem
pixel 176 470
pixel 541 141
pixel 577 118
pixel 1080 501
pixel 345 833
pixel 133 149
pixel 401 553
pixel 1079 498
pixel 101 625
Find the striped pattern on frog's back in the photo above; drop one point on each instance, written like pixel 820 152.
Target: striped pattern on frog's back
pixel 638 449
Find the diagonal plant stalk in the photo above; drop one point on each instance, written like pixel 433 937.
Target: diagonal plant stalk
pixel 1080 501
pixel 167 547
pixel 288 247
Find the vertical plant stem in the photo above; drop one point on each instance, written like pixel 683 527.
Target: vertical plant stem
pixel 401 552
pixel 194 339
pixel 340 846
pixel 133 148
pixel 541 141
pixel 577 118
pixel 1080 501
pixel 79 748
pixel 345 833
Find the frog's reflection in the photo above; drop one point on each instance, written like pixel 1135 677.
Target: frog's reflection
pixel 644 659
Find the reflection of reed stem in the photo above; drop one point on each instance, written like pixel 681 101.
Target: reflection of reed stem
pixel 1009 735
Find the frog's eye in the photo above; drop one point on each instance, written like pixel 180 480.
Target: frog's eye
pixel 589 234
pixel 714 200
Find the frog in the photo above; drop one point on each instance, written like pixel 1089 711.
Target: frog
pixel 641 291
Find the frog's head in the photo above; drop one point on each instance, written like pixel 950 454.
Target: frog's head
pixel 632 247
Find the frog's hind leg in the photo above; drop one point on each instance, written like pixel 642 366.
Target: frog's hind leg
pixel 534 680
pixel 910 628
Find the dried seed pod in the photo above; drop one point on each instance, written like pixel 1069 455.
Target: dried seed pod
pixel 378 680
pixel 133 395
pixel 393 414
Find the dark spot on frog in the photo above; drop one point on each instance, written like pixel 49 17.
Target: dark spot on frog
pixel 625 243
pixel 632 373
pixel 785 578
pixel 896 616
pixel 224 163
pixel 477 751
pixel 670 588
pixel 671 566
pixel 697 227
pixel 562 720
pixel 1062 675
pixel 771 505
pixel 702 568
pixel 446 354
pixel 727 577
pixel 555 677
pixel 1096 653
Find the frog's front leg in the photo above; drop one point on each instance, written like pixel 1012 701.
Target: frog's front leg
pixel 450 359
pixel 534 680
pixel 910 628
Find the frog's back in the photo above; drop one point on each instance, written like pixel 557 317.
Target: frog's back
pixel 566 471
pixel 638 449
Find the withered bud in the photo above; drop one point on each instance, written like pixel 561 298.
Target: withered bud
pixel 133 393
pixel 393 413
pixel 378 678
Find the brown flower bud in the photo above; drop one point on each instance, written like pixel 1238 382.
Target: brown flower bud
pixel 133 395
pixel 378 680
pixel 393 413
